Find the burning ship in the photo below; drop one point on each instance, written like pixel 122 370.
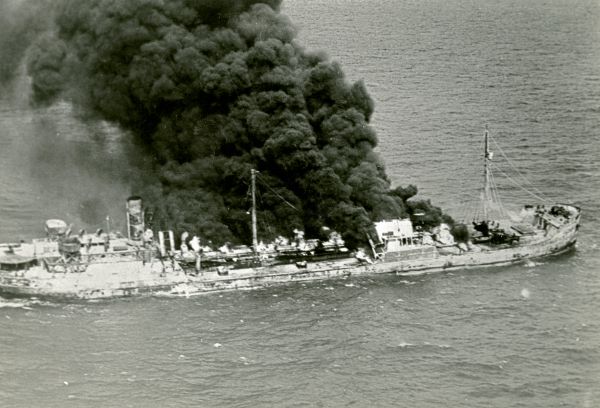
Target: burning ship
pixel 106 264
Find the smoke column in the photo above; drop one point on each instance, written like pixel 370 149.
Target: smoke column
pixel 21 22
pixel 210 89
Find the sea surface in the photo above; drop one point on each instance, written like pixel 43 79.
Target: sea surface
pixel 439 71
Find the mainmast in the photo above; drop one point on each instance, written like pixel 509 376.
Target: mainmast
pixel 486 176
pixel 254 234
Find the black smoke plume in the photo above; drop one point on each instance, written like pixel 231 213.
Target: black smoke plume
pixel 211 89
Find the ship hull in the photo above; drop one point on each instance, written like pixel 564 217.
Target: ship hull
pixel 137 278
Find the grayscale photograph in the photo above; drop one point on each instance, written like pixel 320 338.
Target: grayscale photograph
pixel 299 203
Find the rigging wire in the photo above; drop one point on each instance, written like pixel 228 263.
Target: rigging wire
pixel 544 200
pixel 472 209
pixel 516 169
pixel 467 210
pixel 275 192
pixel 494 202
pixel 477 208
pixel 495 196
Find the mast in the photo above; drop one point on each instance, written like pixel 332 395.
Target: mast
pixel 486 176
pixel 254 234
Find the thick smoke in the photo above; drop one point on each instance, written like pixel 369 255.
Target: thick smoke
pixel 212 89
pixel 21 22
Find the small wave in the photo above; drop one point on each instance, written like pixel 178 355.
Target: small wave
pixel 423 345
pixel 443 346
pixel 25 304
pixel 13 305
pixel 407 282
pixel 110 352
pixel 532 264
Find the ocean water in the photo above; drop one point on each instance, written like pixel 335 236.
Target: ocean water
pixel 518 336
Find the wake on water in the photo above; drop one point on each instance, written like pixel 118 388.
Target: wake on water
pixel 20 303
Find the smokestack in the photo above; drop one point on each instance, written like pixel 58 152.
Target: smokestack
pixel 135 218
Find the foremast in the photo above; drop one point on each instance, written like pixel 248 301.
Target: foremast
pixel 486 194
